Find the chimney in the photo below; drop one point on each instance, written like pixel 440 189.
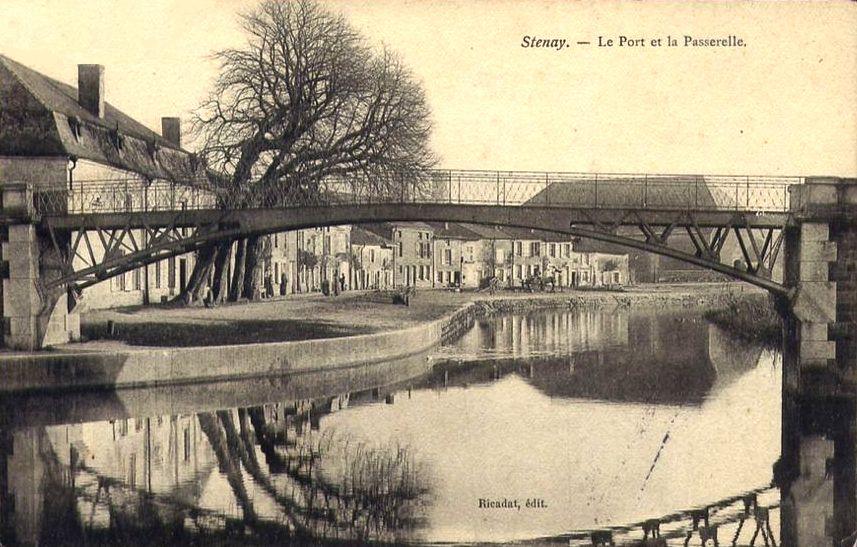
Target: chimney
pixel 90 88
pixel 171 130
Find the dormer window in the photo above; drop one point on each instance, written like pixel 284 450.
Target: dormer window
pixel 152 148
pixel 116 139
pixel 74 126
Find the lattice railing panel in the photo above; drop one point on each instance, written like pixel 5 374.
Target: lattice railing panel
pixel 509 188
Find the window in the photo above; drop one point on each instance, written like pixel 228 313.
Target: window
pixel 447 257
pixel 137 279
pixel 519 248
pixel 535 248
pixel 276 240
pixel 519 271
pixel 400 249
pixel 424 250
pixel 372 255
pixel 171 272
pixel 553 250
pixel 158 274
pixel 440 277
pixel 186 444
pixel 566 250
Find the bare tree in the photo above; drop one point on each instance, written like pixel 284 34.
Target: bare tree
pixel 304 111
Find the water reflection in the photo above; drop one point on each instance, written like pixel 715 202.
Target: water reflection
pixel 624 425
pixel 673 358
pixel 260 473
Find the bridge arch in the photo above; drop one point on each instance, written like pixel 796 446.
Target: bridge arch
pixel 209 226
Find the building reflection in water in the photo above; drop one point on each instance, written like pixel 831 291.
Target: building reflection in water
pixel 273 473
pixel 264 471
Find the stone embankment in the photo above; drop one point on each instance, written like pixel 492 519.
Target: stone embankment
pixel 125 367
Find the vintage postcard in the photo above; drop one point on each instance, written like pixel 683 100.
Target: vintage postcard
pixel 429 272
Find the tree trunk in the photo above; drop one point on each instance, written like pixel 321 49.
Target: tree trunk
pixel 220 283
pixel 251 267
pixel 199 277
pixel 236 288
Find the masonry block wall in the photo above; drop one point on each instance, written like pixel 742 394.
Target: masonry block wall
pixel 843 332
pixel 820 364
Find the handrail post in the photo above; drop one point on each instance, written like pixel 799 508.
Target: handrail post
pixel 737 186
pixel 645 189
pixel 498 187
pixel 748 193
pixel 696 192
pixel 596 191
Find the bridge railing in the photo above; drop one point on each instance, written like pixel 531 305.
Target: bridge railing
pixel 124 196
pixel 505 188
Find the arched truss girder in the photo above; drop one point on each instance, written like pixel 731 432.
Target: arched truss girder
pixel 133 240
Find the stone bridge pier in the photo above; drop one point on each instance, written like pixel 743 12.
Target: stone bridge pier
pixel 33 317
pixel 817 471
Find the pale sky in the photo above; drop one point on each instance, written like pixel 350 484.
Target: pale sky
pixel 782 105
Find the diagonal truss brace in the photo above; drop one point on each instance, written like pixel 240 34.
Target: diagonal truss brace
pixel 94 254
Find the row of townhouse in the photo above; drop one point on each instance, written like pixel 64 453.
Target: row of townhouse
pixel 432 254
pixel 468 255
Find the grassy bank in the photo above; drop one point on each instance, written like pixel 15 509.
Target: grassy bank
pixel 752 318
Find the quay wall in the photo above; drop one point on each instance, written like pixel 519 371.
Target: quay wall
pixel 58 371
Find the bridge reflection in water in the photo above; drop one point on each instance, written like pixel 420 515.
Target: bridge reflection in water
pixel 615 419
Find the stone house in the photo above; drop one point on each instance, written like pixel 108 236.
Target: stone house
pixel 412 252
pixel 72 144
pixel 449 240
pixel 487 255
pixel 372 260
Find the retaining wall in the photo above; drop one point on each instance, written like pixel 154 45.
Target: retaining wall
pixel 147 367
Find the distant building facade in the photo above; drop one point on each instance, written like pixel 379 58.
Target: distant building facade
pixel 372 260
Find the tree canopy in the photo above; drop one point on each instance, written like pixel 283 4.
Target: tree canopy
pixel 304 111
pixel 307 100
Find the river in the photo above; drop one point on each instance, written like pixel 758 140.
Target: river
pixel 540 426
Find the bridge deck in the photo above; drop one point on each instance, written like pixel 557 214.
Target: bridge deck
pixel 554 217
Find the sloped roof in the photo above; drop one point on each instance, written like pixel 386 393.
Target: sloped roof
pixel 362 236
pixel 486 232
pixel 39 115
pixel 662 191
pixel 452 230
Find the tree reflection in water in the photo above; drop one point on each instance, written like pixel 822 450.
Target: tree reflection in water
pixel 286 483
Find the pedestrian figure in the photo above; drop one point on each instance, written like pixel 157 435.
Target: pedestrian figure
pixel 269 286
pixel 342 282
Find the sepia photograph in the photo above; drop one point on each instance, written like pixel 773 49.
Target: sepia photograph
pixel 428 272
